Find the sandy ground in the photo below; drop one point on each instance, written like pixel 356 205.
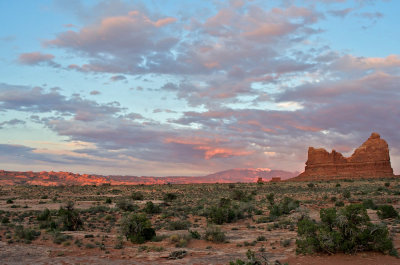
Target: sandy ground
pixel 239 234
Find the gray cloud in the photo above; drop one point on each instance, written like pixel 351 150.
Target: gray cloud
pixel 11 123
pixel 37 100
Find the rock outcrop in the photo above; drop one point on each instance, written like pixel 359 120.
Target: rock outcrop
pixel 370 160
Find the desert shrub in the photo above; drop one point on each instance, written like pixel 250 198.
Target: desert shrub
pixel 180 241
pixel 261 238
pixel 151 208
pixel 271 199
pixel 263 219
pixel 214 234
pixel 70 217
pixel 346 230
pixel 120 243
pixel 108 200
pixel 369 204
pixel 339 204
pixel 125 205
pixel 346 194
pixel 26 234
pixel 59 238
pixel 44 215
pixel 224 202
pixel 170 196
pixel 178 254
pixel 387 184
pixel 311 185
pixel 240 195
pixel 258 212
pixel 178 225
pixel 285 243
pixel 90 245
pixel 137 228
pixel 194 234
pixel 284 207
pixel 45 220
pixel 97 209
pixel 9 201
pixel 137 196
pixel 254 258
pixel 115 191
pixel 387 211
pixel 224 212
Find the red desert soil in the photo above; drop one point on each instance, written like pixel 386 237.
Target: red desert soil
pixel 341 259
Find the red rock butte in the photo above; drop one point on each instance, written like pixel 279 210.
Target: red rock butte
pixel 370 160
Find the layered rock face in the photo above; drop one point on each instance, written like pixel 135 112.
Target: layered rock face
pixel 370 160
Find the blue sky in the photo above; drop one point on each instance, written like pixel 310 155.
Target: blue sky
pixel 193 87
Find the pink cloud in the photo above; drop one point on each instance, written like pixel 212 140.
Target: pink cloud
pixel 113 33
pixel 34 58
pixel 211 147
pixel 350 62
pixel 270 30
pixel 164 21
pixel 212 152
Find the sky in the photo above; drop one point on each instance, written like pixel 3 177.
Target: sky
pixel 171 87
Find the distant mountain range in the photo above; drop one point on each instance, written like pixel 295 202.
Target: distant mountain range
pixel 67 178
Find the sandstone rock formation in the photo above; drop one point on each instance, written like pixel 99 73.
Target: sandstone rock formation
pixel 370 160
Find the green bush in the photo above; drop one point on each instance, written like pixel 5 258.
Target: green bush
pixel 59 238
pixel 125 205
pixel 214 234
pixel 253 258
pixel 137 228
pixel 151 208
pixel 240 195
pixel 70 217
pixel 284 207
pixel 26 234
pixel 45 220
pixel 346 194
pixel 339 204
pixel 137 196
pixel 170 196
pixel 346 230
pixel 224 212
pixel 194 234
pixel 180 240
pixel 369 204
pixel 44 216
pixel 387 211
pixel 270 198
pixel 178 225
pixel 261 238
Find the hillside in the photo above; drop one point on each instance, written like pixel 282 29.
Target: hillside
pixel 67 178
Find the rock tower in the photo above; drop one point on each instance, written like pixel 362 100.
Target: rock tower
pixel 370 160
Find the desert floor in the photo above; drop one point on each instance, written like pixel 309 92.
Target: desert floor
pixel 181 221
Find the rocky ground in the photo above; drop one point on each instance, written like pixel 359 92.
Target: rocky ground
pixel 98 241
